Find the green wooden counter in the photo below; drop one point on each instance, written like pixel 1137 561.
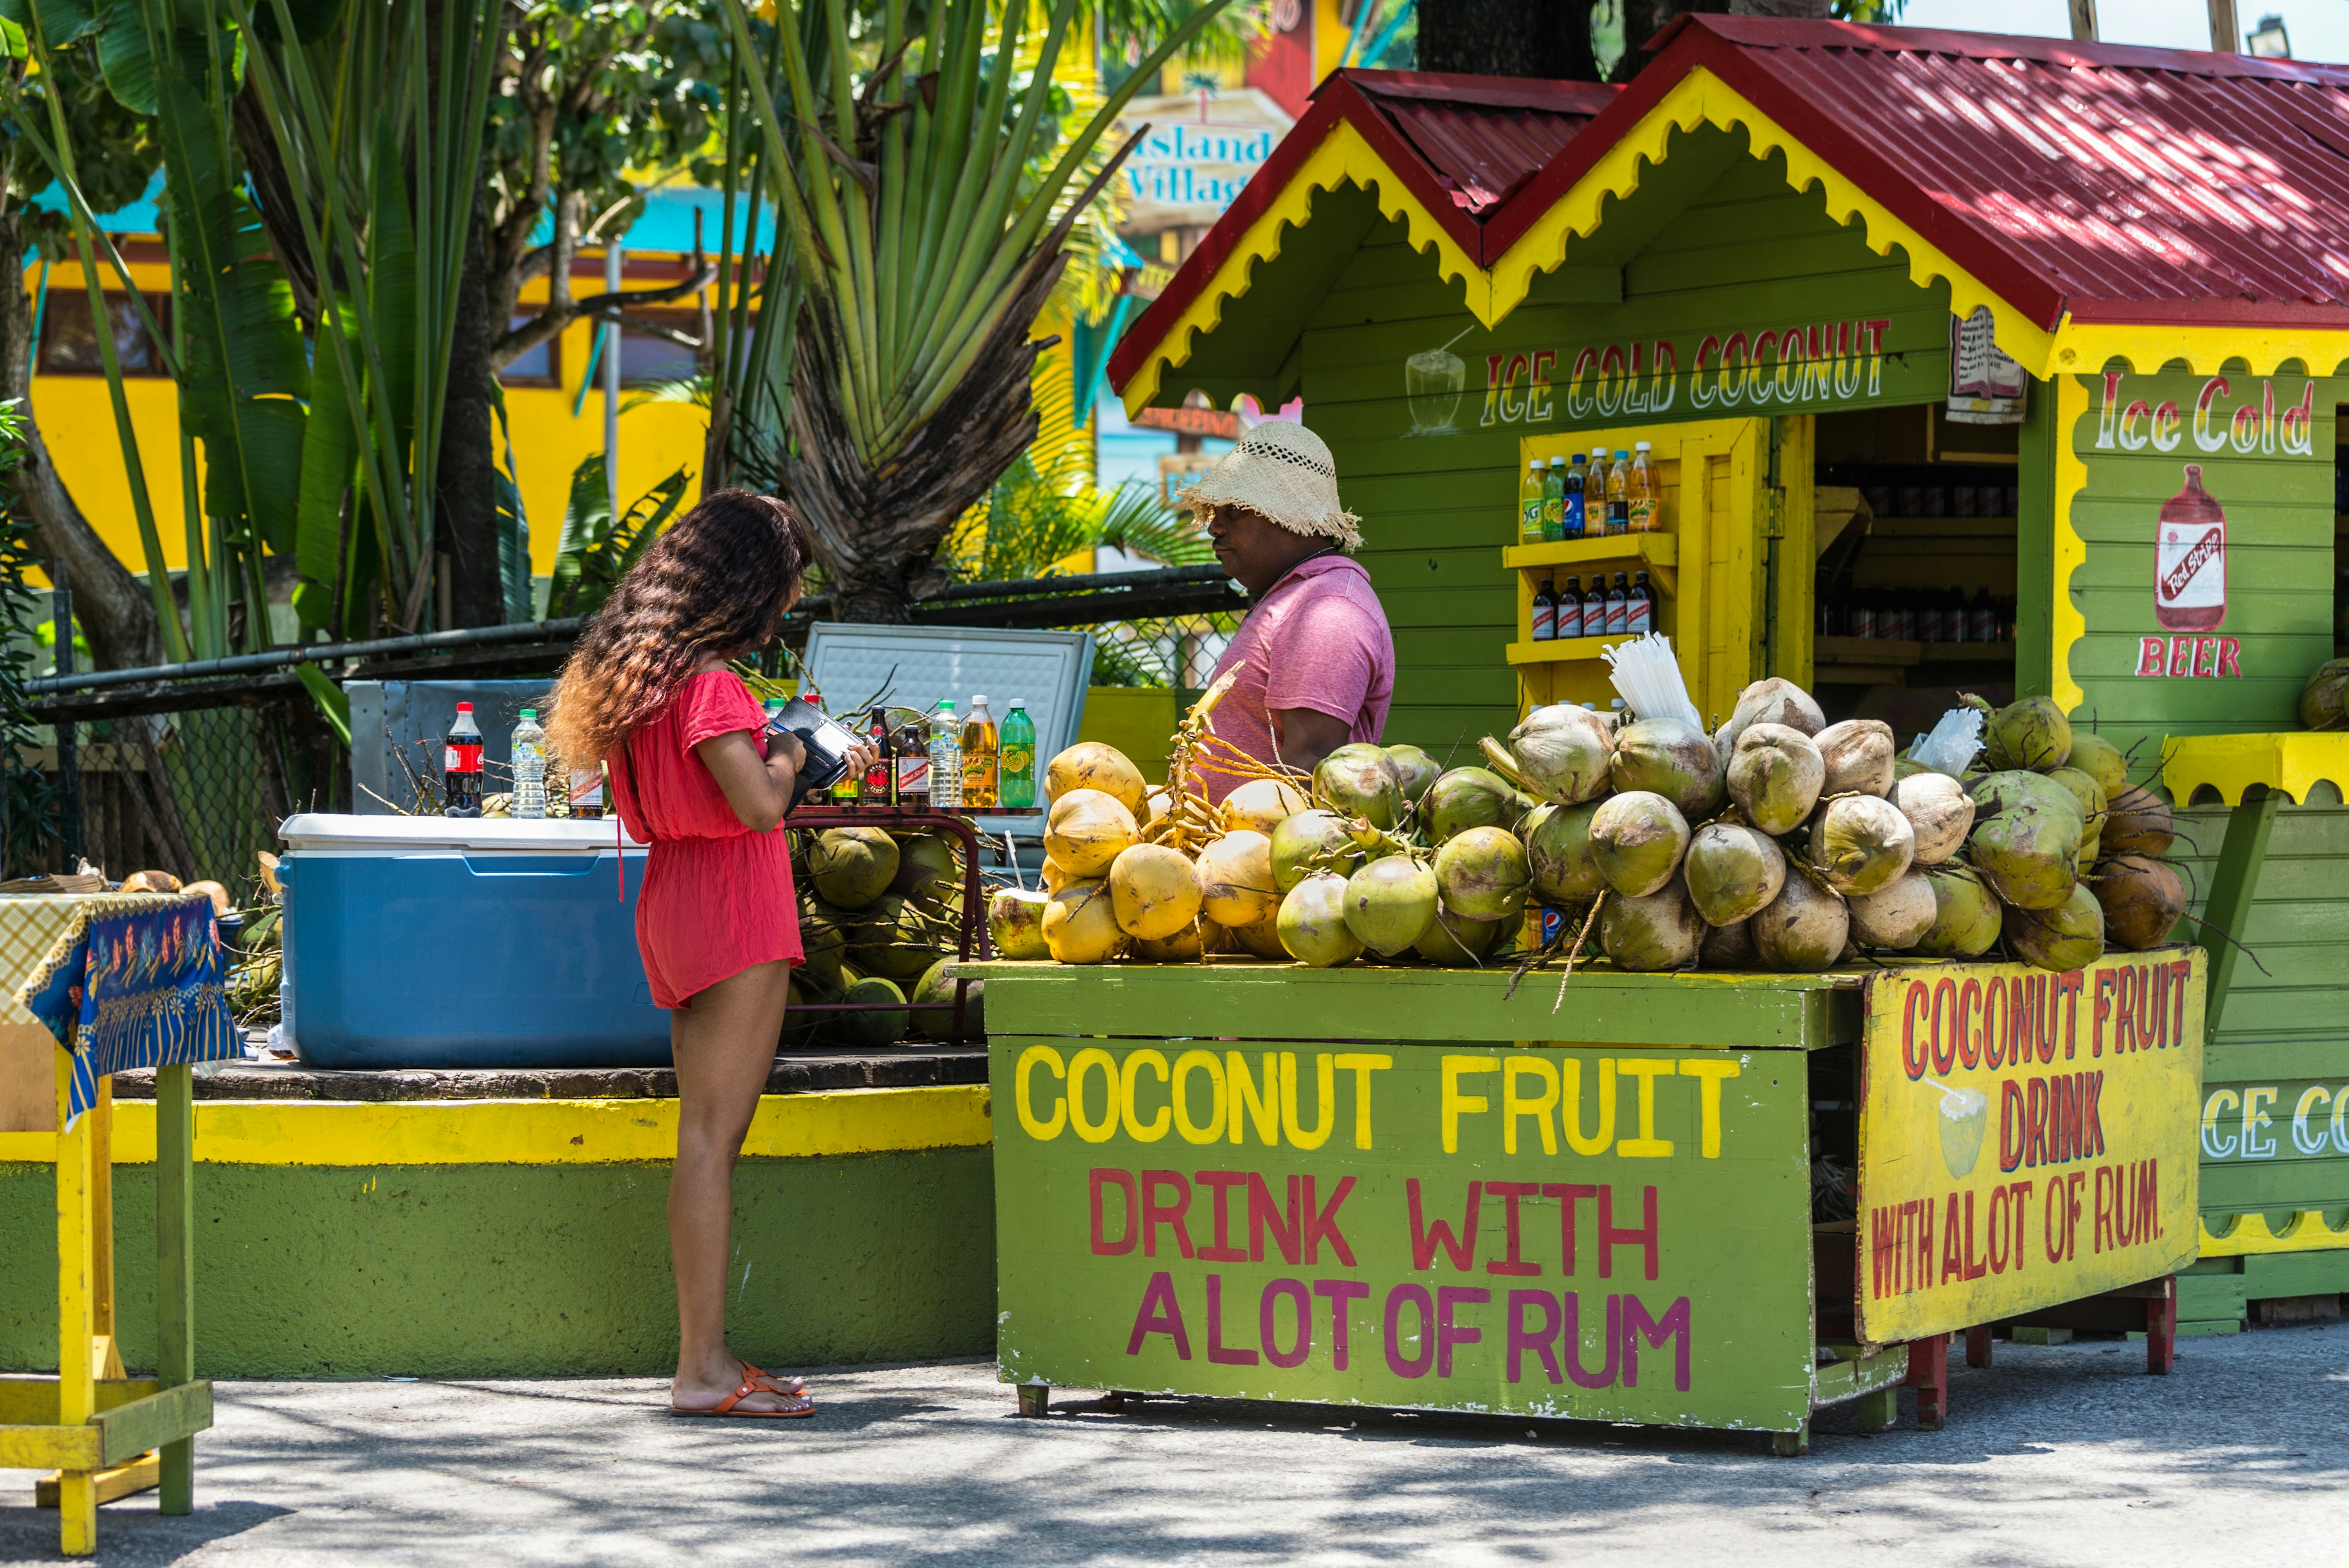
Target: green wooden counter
pixel 1416 1188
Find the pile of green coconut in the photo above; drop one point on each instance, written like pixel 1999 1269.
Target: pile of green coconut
pixel 1776 843
pixel 879 915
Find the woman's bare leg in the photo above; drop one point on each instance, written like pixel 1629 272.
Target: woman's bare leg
pixel 724 1046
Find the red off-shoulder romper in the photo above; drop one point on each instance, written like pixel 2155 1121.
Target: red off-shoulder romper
pixel 717 897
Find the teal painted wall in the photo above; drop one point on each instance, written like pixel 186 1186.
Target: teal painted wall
pixel 506 1270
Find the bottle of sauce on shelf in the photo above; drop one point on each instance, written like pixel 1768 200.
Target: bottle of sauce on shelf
pixel 1619 607
pixel 1016 771
pixel 981 756
pixel 1640 491
pixel 461 766
pixel 1529 504
pixel 1577 479
pixel 1545 619
pixel 1618 494
pixel 872 790
pixel 2189 558
pixel 1554 501
pixel 1642 606
pixel 1594 608
pixel 1569 609
pixel 914 763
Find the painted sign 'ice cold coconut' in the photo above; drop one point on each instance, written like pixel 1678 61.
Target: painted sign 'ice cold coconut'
pixel 2026 1138
pixel 1614 1234
pixel 2201 511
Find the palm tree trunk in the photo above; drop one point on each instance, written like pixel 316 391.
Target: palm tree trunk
pixel 467 504
pixel 116 614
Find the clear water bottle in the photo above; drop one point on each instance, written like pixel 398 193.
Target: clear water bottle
pixel 945 760
pixel 529 765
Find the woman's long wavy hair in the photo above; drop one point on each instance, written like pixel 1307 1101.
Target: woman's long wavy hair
pixel 715 584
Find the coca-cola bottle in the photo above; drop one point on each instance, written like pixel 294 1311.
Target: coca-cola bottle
pixel 460 766
pixel 2189 558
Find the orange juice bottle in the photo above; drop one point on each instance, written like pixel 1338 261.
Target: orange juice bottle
pixel 981 747
pixel 1640 492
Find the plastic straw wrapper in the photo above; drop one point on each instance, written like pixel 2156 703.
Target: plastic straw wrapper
pixel 1951 748
pixel 1646 673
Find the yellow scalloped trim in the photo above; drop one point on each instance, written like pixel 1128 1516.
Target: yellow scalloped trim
pixel 2289 762
pixel 2068 625
pixel 1343 157
pixel 1702 97
pixel 2243 1235
pixel 2207 350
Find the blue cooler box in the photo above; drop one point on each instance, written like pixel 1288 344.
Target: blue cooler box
pixel 436 942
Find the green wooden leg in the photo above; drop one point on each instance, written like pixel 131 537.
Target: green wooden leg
pixel 1879 1409
pixel 175 1266
pixel 2229 907
pixel 1792 1444
pixel 1035 1398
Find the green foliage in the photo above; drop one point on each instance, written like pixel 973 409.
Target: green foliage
pixel 597 549
pixel 26 798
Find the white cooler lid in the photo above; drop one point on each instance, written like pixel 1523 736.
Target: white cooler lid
pixel 316 831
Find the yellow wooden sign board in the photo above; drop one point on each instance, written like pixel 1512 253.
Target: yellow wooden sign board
pixel 2025 1137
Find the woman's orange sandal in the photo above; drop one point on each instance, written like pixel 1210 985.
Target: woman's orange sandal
pixel 754 1382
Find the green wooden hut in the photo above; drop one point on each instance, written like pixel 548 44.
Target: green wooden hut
pixel 1967 363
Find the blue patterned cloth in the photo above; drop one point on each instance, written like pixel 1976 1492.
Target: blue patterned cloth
pixel 135 982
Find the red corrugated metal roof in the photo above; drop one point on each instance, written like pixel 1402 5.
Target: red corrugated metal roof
pixel 2112 183
pixel 1461 145
pixel 2102 181
pixel 1482 137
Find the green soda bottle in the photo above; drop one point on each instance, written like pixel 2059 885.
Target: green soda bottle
pixel 1529 504
pixel 1554 502
pixel 1016 767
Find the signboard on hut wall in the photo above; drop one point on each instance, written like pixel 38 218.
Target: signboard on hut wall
pixel 2205 526
pixel 2025 1137
pixel 1608 1234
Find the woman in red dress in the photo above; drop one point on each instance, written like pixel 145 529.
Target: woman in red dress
pixel 696 776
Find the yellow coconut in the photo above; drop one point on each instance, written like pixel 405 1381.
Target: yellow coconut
pixel 1154 891
pixel 1057 876
pixel 1080 924
pixel 1261 938
pixel 1186 947
pixel 1087 829
pixel 1235 876
pixel 1090 765
pixel 1260 804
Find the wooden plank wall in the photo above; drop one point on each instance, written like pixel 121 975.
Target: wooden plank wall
pixel 1745 252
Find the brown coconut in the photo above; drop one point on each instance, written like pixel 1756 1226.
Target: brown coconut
pixel 1897 915
pixel 2137 823
pixel 1859 754
pixel 1775 774
pixel 1939 811
pixel 2143 901
pixel 1729 947
pixel 1804 930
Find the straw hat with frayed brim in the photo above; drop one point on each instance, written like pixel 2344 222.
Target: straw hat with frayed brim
pixel 1283 470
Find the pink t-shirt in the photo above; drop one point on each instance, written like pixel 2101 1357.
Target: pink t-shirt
pixel 1318 641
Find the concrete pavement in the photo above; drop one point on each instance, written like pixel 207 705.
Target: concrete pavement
pixel 2066 1455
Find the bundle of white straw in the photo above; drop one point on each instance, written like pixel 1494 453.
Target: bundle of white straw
pixel 1951 748
pixel 1648 674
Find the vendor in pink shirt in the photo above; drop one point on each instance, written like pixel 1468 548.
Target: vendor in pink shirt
pixel 1316 664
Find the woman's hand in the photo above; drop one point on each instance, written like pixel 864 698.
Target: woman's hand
pixel 860 757
pixel 787 745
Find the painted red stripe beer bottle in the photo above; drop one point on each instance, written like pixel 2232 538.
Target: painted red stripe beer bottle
pixel 2190 571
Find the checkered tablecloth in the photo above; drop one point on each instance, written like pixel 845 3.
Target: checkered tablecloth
pixel 30 926
pixel 131 981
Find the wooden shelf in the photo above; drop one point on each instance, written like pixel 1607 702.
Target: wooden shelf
pixel 1562 650
pixel 1877 651
pixel 1658 553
